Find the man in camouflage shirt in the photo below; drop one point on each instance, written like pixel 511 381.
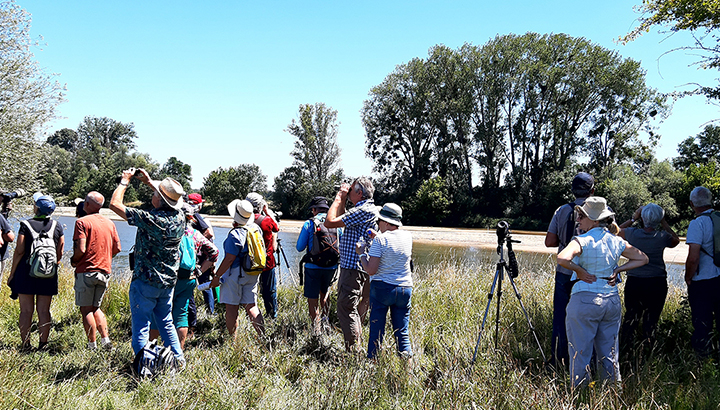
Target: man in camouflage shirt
pixel 157 258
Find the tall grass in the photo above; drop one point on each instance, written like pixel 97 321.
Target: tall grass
pixel 291 369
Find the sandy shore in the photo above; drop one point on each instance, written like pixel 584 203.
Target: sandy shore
pixel 482 238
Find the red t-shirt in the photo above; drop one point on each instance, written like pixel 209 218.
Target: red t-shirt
pixel 101 239
pixel 268 227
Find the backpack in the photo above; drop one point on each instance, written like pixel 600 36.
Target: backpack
pixel 715 218
pixel 570 227
pixel 325 252
pixel 152 360
pixel 187 252
pixel 43 254
pixel 255 257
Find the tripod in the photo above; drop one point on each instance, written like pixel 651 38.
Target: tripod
pixel 512 270
pixel 281 251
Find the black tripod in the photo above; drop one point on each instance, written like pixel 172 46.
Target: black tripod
pixel 281 251
pixel 511 267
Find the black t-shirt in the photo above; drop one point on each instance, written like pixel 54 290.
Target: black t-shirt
pixel 4 228
pixel 39 225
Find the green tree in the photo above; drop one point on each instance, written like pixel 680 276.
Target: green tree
pixel 105 132
pixel 701 149
pixel 178 170
pixel 700 18
pixel 316 150
pixel 28 99
pixel 65 138
pixel 430 205
pixel 223 185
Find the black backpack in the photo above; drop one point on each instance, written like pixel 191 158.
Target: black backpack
pixel 325 252
pixel 570 227
pixel 715 219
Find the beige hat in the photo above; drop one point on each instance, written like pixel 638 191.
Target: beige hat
pixel 241 211
pixel 171 192
pixel 595 208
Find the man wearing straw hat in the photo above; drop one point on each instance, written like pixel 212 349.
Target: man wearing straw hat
pixel 157 257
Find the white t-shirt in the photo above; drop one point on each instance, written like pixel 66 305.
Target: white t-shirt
pixel 394 248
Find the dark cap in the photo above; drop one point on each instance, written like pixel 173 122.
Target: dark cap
pixel 582 184
pixel 319 202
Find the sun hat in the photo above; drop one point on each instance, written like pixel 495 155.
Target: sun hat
pixel 319 202
pixel 595 208
pixel 391 213
pixel 256 200
pixel 195 198
pixel 241 211
pixel 44 203
pixel 582 184
pixel 171 192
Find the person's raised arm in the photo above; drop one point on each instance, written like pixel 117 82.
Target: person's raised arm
pixel 337 209
pixel 674 238
pixel 116 201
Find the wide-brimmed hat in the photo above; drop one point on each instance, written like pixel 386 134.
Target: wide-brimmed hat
pixel 241 211
pixel 391 213
pixel 595 208
pixel 195 198
pixel 171 192
pixel 44 203
pixel 319 202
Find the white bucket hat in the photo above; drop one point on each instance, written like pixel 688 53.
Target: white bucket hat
pixel 241 211
pixel 391 213
pixel 595 208
pixel 171 192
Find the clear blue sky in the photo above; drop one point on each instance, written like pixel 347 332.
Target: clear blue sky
pixel 216 83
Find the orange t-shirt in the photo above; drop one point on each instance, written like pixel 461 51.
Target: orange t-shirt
pixel 101 238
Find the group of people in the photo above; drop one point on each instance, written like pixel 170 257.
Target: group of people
pixel 375 275
pixel 587 312
pixel 163 281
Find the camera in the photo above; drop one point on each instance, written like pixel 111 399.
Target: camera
pixel 136 173
pixel 6 197
pixel 502 231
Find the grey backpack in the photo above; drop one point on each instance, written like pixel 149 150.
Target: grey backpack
pixel 43 254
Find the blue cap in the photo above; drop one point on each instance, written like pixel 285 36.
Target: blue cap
pixel 44 203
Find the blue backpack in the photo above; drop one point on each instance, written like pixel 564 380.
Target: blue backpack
pixel 187 252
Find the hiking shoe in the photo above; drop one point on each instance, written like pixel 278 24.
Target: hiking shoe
pixel 108 346
pixel 325 325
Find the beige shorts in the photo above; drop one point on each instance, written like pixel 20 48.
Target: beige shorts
pixel 90 288
pixel 238 288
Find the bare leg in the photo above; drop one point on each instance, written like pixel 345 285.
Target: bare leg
pixel 314 315
pixel 27 309
pixel 182 335
pixel 44 318
pixel 154 334
pixel 324 305
pixel 101 323
pixel 231 315
pixel 255 317
pixel 88 318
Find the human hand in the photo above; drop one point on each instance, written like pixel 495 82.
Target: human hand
pixel 584 276
pixel 215 282
pixel 613 279
pixel 127 175
pixel 372 233
pixel 142 175
pixel 637 214
pixel 359 248
pixel 344 189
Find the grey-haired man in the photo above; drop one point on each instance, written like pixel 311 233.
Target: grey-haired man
pixel 353 285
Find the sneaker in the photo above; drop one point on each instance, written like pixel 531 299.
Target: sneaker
pixel 43 346
pixel 107 346
pixel 325 325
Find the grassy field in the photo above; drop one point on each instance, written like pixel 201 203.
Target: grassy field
pixel 290 369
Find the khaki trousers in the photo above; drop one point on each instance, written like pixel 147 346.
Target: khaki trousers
pixel 350 291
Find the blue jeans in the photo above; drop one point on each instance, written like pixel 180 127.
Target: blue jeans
pixel 397 299
pixel 146 302
pixel 559 341
pixel 268 291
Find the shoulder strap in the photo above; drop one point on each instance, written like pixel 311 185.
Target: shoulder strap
pixel 33 232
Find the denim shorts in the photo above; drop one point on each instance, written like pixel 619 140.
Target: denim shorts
pixel 317 281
